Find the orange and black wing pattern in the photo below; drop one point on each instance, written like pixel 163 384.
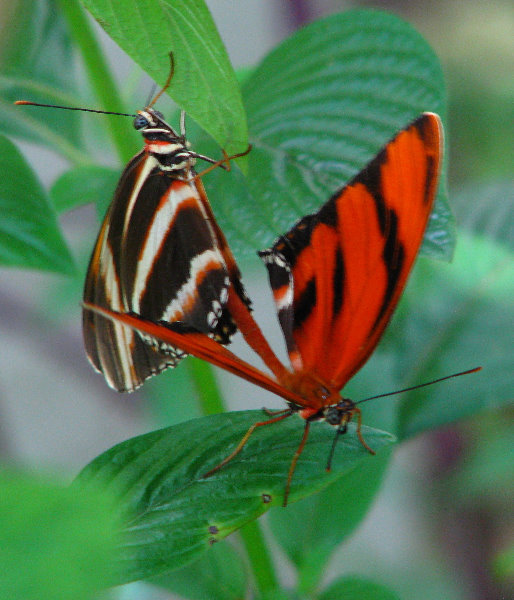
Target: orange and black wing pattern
pixel 338 274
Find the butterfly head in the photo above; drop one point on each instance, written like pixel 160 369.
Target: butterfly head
pixel 150 121
pixel 148 118
pixel 163 142
pixel 340 414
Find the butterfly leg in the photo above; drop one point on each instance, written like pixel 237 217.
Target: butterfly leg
pixel 341 430
pixel 296 456
pixel 359 434
pixel 245 438
pixel 275 413
pixel 224 163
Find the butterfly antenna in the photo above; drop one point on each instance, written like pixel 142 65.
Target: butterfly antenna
pixel 167 82
pixel 415 387
pixel 102 112
pixel 107 112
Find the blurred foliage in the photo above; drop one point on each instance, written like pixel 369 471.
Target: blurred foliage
pixel 56 543
pixel 452 317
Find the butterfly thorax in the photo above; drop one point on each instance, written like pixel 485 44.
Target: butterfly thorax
pixel 163 143
pixel 313 389
pixel 321 401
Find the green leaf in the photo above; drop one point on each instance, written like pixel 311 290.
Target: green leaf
pixel 37 64
pixel 218 575
pixel 29 232
pixel 178 513
pixel 461 314
pixel 310 531
pixel 320 106
pixel 82 185
pixel 55 543
pixel 204 83
pixel 356 588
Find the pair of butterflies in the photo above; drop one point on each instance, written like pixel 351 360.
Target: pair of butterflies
pixel 162 281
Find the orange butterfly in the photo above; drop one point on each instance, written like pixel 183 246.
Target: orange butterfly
pixel 336 277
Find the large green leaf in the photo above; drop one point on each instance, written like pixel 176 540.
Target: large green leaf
pixel 55 543
pixel 310 530
pixel 204 82
pixel 319 107
pixel 176 513
pixel 29 232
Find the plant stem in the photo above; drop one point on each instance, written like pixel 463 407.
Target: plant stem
pixel 259 557
pixel 100 76
pixel 211 402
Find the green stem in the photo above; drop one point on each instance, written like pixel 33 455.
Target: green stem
pixel 99 74
pixel 259 558
pixel 211 402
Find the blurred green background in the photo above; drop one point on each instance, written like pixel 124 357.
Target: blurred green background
pixel 442 526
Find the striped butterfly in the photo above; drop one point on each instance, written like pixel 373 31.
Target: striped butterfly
pixel 159 253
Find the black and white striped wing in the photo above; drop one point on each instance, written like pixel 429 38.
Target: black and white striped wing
pixel 157 255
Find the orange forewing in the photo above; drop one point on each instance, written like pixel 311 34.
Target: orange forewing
pixel 349 262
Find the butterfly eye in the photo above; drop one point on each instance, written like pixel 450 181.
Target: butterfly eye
pixel 345 405
pixel 140 122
